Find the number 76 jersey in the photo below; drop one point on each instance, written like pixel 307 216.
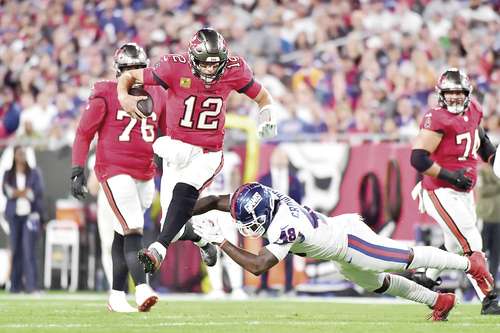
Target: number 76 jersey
pixel 124 144
pixel 459 143
pixel 196 111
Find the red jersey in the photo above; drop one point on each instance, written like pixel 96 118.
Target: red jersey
pixel 124 144
pixel 196 111
pixel 459 143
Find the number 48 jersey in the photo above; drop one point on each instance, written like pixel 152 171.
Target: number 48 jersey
pixel 124 144
pixel 306 233
pixel 196 111
pixel 459 143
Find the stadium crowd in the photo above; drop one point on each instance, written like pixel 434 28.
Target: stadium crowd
pixel 366 66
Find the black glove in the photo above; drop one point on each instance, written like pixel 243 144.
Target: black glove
pixel 456 178
pixel 78 183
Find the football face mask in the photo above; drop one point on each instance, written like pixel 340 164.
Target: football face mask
pixel 252 206
pixel 454 90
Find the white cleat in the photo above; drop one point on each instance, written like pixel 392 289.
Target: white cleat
pixel 145 297
pixel 216 295
pixel 117 302
pixel 239 295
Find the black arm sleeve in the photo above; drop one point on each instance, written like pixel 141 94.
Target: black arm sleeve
pixel 420 159
pixel 486 148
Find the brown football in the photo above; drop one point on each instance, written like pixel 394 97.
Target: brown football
pixel 144 105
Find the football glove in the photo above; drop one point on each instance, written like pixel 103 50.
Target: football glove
pixel 266 127
pixel 456 178
pixel 209 231
pixel 78 183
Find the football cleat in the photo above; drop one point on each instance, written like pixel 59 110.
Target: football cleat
pixel 117 302
pixel 479 271
pixel 490 305
pixel 443 306
pixel 423 280
pixel 209 254
pixel 145 297
pixel 151 259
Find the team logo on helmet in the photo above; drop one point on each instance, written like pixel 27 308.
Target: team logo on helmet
pixel 208 55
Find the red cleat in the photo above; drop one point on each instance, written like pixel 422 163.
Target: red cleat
pixel 443 306
pixel 479 271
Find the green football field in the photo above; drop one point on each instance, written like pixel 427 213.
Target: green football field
pixel 88 313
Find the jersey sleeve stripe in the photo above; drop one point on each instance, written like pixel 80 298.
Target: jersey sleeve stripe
pixel 160 81
pixel 246 87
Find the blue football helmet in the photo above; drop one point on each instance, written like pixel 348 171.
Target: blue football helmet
pixel 252 206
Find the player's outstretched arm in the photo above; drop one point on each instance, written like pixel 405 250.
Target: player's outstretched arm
pixel 129 102
pixel 255 264
pixel 211 202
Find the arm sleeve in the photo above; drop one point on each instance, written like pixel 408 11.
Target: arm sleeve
pixel 87 127
pixel 246 83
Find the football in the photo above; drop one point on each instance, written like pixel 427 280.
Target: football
pixel 145 105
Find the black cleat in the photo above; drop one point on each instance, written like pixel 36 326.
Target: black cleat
pixel 490 305
pixel 150 259
pixel 209 254
pixel 423 280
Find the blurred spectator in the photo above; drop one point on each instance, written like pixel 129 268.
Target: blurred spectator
pixel 488 209
pixel 23 187
pixel 284 179
pixel 58 48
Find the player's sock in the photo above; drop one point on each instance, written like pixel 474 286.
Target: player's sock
pixel 179 212
pixel 133 243
pixel 120 269
pixel 431 257
pixel 402 287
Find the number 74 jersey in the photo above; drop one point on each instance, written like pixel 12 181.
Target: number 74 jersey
pixel 196 111
pixel 124 144
pixel 459 143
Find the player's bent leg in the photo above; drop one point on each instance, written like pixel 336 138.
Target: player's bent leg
pixel 117 301
pixel 441 304
pixel 179 211
pixel 431 257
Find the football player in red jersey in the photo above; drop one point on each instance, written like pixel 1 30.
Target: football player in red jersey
pixel 124 167
pixel 446 151
pixel 198 83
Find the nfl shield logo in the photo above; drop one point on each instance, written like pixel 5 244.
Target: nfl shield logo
pixel 185 82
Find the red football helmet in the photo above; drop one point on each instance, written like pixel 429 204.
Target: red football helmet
pixel 453 80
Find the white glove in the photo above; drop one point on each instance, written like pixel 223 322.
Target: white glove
pixel 209 231
pixel 266 127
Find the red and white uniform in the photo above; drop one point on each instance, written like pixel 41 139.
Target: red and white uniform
pixel 459 143
pixel 192 148
pixel 196 111
pixel 454 209
pixel 124 158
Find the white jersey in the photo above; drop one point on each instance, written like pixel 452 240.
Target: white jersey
pixel 303 232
